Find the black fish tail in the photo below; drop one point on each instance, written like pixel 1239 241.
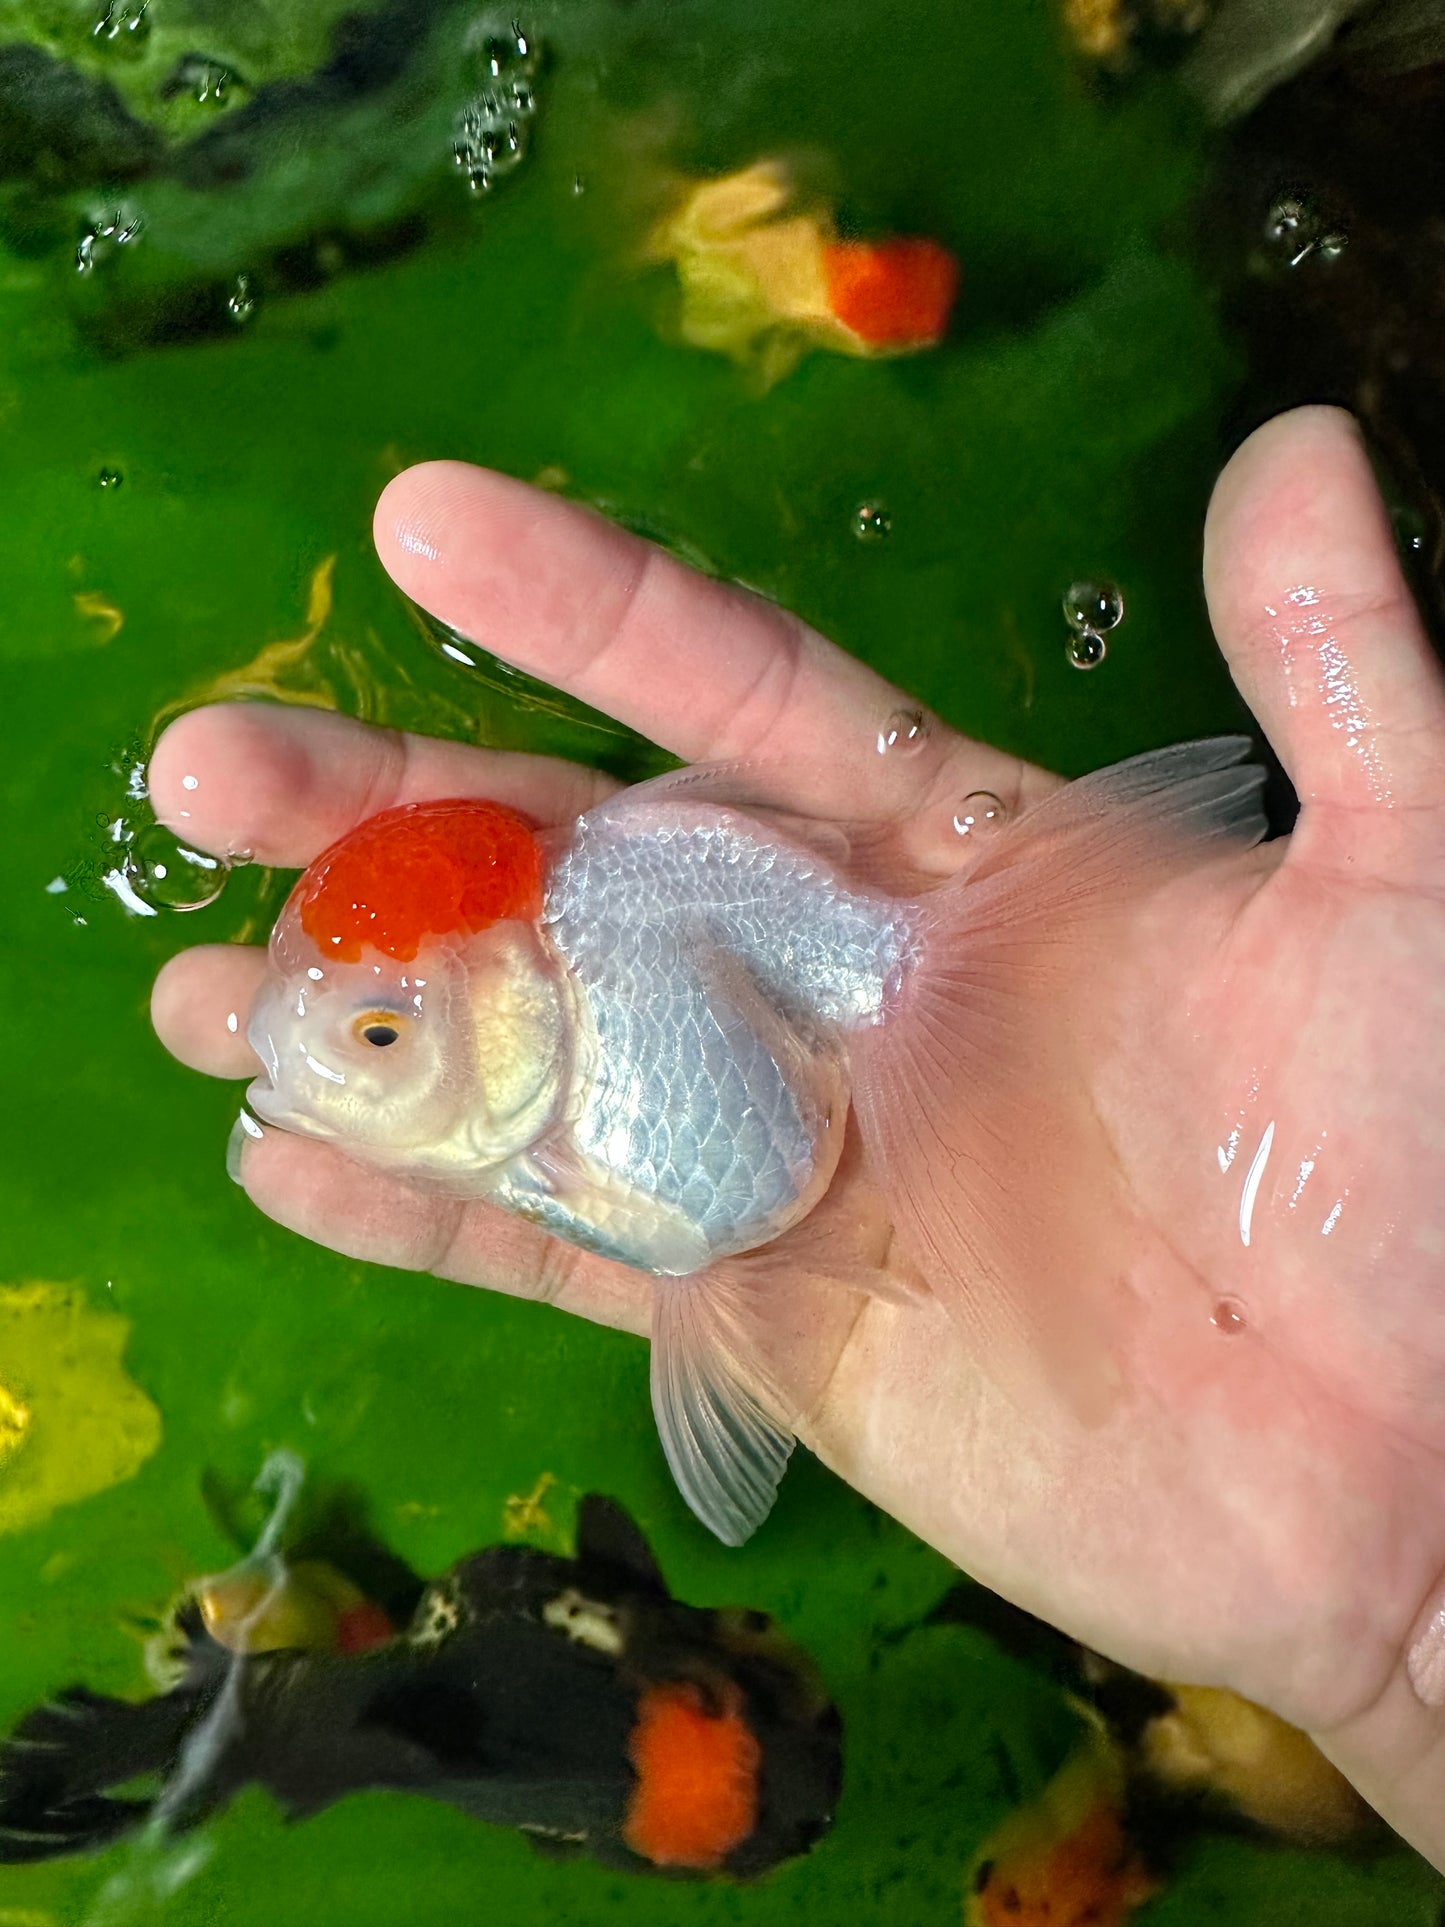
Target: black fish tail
pixel 57 1764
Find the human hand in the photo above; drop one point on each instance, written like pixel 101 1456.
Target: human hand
pixel 1254 1503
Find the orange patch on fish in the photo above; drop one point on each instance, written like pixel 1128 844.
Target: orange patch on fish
pixel 1091 1877
pixel 362 1628
pixel 891 294
pixel 423 870
pixel 764 276
pixel 696 1796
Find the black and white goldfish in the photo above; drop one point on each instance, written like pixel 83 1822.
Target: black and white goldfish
pixel 572 1699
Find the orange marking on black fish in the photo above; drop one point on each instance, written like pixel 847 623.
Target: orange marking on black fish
pixel 1092 1877
pixel 360 1629
pixel 423 870
pixel 696 1796
pixel 892 294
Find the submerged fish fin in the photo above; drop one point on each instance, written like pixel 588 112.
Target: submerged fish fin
pixel 974 1099
pixel 56 1764
pixel 609 1536
pixel 720 1420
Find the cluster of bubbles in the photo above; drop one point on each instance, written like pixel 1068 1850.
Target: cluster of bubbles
pixel 494 129
pixel 123 24
pixel 147 867
pixel 1295 229
pixel 871 521
pixel 904 733
pixel 107 232
pixel 1091 610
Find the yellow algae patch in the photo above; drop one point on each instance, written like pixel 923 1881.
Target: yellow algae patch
pixel 95 608
pixel 523 1513
pixel 71 1422
pixel 308 670
pixel 1104 30
pixel 14 1421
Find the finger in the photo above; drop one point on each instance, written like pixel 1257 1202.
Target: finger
pixel 312 1189
pixel 1320 630
pixel 708 670
pixel 280 783
pixel 200 1003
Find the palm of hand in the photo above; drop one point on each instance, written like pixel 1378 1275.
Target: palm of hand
pixel 1242 1495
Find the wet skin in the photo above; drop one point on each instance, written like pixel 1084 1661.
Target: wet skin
pixel 1249 1494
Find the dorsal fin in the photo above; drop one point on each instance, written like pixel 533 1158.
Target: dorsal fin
pixel 608 1536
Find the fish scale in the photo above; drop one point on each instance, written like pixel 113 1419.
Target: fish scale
pixel 653 919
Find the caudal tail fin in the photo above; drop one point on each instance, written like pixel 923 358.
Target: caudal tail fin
pixel 976 1097
pixel 57 1764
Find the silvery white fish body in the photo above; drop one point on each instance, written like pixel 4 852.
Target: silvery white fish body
pixel 644 1034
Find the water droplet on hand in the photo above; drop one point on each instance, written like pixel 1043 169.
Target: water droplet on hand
pixel 904 733
pixel 1228 1317
pixel 979 813
pixel 871 521
pixel 1093 605
pixel 241 302
pixel 166 874
pixel 1086 649
pixel 109 478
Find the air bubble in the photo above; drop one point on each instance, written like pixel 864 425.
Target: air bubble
pixel 241 302
pixel 166 874
pixel 1093 605
pixel 979 813
pixel 109 478
pixel 507 53
pixel 1086 649
pixel 1410 530
pixel 1290 217
pixel 1228 1317
pixel 207 81
pixel 904 733
pixel 114 229
pixel 1295 229
pixel 491 134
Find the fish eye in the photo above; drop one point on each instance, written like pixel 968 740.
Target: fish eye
pixel 378 1027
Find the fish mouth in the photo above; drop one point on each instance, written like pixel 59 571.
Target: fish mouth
pixel 263 1098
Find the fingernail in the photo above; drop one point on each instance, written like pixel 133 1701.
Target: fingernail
pixel 1425 1662
pixel 243 1131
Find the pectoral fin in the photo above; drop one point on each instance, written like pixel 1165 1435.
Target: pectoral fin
pixel 721 1422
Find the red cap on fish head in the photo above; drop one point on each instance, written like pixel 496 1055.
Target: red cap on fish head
pixel 441 869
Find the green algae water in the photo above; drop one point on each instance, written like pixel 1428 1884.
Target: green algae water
pixel 243 284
